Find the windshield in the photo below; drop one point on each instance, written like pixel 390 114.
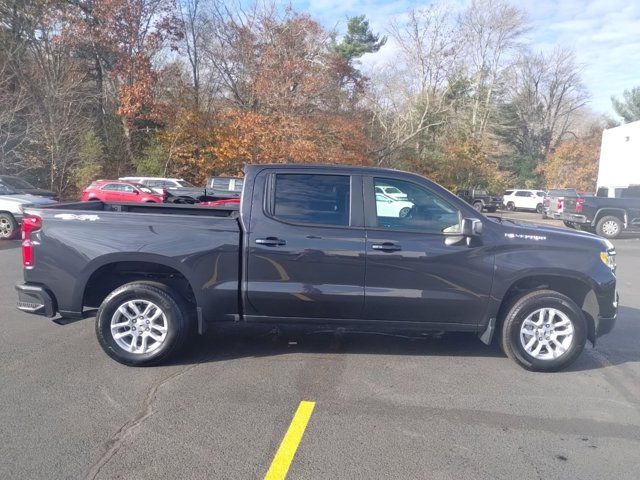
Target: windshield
pixel 184 183
pixel 16 182
pixel 5 190
pixel 481 192
pixel 392 190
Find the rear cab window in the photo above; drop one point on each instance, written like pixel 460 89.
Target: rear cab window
pixel 311 199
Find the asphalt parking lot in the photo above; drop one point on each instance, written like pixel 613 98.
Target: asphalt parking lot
pixel 385 406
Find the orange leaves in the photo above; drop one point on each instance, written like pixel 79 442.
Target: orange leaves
pixel 252 137
pixel 574 163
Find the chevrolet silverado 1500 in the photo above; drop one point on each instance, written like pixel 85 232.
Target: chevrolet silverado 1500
pixel 309 245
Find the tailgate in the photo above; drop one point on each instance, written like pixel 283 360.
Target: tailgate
pixel 569 204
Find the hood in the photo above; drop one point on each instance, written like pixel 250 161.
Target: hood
pixel 37 191
pixel 541 233
pixel 26 199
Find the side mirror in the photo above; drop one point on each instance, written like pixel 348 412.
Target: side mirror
pixel 471 227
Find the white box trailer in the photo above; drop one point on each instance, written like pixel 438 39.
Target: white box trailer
pixel 619 159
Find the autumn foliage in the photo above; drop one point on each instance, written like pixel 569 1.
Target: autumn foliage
pixel 574 163
pixel 193 88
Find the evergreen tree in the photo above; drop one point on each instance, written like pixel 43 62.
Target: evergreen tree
pixel 359 39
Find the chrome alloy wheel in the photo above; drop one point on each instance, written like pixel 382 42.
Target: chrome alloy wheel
pixel 610 228
pixel 139 326
pixel 546 334
pixel 6 229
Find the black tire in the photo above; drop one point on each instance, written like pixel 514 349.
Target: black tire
pixel 609 226
pixel 569 224
pixel 478 206
pixel 9 228
pixel 511 207
pixel 404 212
pixel 521 308
pixel 539 208
pixel 176 312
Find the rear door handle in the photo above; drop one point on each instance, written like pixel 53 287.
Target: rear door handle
pixel 386 247
pixel 270 242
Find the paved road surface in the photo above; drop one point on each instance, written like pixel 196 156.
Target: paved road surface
pixel 386 407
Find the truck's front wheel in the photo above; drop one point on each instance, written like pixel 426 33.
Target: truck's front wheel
pixel 142 323
pixel 544 331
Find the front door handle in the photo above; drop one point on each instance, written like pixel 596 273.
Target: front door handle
pixel 386 247
pixel 270 242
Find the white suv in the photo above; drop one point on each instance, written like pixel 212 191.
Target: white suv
pixel 520 199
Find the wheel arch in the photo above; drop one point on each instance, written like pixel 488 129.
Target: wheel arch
pixel 576 288
pixel 619 213
pixel 104 275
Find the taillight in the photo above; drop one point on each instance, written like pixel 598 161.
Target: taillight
pixel 30 224
pixel 559 204
pixel 579 203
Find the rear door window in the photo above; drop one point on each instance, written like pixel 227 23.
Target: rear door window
pixel 313 199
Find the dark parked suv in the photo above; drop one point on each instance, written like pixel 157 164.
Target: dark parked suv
pixel 480 199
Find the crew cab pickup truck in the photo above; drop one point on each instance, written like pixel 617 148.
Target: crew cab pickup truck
pixel 309 245
pixel 608 217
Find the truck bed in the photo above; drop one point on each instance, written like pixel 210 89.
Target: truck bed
pixel 86 246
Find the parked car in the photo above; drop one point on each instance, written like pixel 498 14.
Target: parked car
pixel 390 207
pixel 220 203
pixel 225 185
pixel 521 199
pixel 606 216
pixel 553 202
pixel 12 205
pixel 310 247
pixel 20 186
pixel 117 191
pixel 391 191
pixel 177 189
pixel 480 199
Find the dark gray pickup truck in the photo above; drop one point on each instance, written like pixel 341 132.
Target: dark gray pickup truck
pixel 312 246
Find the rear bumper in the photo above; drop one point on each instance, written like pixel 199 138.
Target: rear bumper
pixel 35 299
pixel 573 217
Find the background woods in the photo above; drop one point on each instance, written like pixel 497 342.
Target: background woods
pixel 190 88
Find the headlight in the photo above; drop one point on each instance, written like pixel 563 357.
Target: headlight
pixel 609 259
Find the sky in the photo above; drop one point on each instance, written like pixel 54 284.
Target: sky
pixel 605 34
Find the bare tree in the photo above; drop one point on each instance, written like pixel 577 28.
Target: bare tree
pixel 410 96
pixel 546 95
pixel 491 31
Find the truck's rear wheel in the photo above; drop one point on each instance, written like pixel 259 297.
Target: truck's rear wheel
pixel 609 226
pixel 8 226
pixel 478 206
pixel 142 323
pixel 544 331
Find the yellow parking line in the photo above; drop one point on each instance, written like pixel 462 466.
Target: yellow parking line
pixel 282 461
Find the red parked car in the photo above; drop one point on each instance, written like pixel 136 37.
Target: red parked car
pixel 117 191
pixel 226 202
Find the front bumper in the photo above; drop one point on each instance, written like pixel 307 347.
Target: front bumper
pixel 604 324
pixel 35 299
